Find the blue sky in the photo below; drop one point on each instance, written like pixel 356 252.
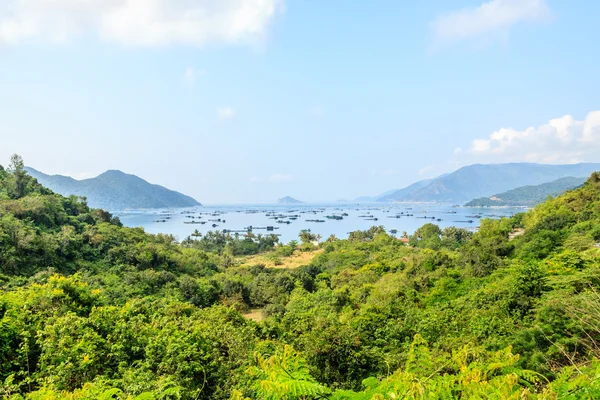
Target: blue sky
pixel 243 101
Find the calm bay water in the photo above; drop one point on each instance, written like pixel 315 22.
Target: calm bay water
pixel 401 217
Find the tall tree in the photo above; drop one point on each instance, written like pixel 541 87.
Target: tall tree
pixel 17 169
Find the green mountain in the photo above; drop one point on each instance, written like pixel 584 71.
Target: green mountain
pixel 528 195
pixel 483 180
pixel 115 190
pixel 288 200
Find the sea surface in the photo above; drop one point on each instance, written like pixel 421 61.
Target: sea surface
pixel 289 220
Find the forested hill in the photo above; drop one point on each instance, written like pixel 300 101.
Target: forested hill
pixel 484 180
pixel 115 190
pixel 93 310
pixel 528 195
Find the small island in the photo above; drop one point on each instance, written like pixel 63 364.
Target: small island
pixel 288 200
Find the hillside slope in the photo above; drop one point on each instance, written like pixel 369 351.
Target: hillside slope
pixel 115 190
pixel 407 192
pixel 528 195
pixel 479 180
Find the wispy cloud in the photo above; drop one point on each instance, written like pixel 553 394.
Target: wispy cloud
pixel 191 75
pixel 488 22
pixel 278 178
pixel 138 22
pixel 274 178
pixel 225 113
pixel 561 140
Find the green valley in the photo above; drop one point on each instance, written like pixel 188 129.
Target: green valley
pixel 90 309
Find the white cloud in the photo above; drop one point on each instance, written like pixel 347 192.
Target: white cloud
pixel 278 178
pixel 191 75
pixel 274 178
pixel 225 113
pixel 591 128
pixel 491 20
pixel 561 140
pixel 138 22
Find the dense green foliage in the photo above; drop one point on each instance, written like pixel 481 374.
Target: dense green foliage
pixel 528 195
pixel 90 309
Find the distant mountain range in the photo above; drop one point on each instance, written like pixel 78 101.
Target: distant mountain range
pixel 370 199
pixel 115 190
pixel 484 180
pixel 528 195
pixel 408 191
pixel 288 200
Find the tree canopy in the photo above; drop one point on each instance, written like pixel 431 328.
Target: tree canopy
pixel 90 309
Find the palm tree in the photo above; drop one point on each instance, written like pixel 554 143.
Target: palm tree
pixel 196 233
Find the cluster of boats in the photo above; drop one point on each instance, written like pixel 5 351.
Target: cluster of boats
pixel 316 215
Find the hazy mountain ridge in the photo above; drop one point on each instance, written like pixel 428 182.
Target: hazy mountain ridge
pixel 115 190
pixel 380 197
pixel 407 191
pixel 288 200
pixel 528 195
pixel 484 180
